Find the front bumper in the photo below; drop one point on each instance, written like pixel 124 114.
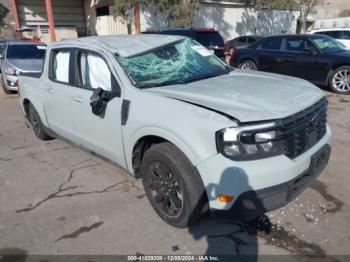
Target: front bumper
pixel 251 204
pixel 10 82
pixel 222 176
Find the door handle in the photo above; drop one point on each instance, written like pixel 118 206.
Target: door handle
pixel 49 90
pixel 78 99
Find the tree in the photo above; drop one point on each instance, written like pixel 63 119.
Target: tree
pixel 178 12
pixel 275 4
pixel 306 8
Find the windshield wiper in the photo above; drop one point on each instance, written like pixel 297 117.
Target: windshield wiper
pixel 150 85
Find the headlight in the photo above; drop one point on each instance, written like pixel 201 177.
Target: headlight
pixel 10 71
pixel 249 142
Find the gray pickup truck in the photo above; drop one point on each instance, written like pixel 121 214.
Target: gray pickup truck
pixel 201 136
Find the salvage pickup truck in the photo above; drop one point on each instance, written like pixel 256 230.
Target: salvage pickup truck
pixel 201 135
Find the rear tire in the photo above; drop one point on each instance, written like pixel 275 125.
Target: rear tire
pixel 339 82
pixel 248 65
pixel 173 185
pixel 37 125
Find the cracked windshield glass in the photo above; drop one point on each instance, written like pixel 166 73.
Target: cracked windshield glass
pixel 176 63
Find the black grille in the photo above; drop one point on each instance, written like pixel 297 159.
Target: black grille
pixel 304 129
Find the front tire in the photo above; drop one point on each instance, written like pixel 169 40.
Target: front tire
pixel 339 81
pixel 248 65
pixel 173 185
pixel 37 125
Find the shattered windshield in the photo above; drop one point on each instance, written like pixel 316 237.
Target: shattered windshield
pixel 176 63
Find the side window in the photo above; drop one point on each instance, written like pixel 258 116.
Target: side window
pixel 251 40
pixel 60 65
pixel 322 33
pixel 346 35
pixel 242 40
pixel 271 44
pixel 94 72
pixel 296 45
pixel 335 34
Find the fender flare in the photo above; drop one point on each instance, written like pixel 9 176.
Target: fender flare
pixel 39 108
pixel 162 133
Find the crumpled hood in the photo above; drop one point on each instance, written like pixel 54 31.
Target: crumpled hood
pixel 26 65
pixel 246 95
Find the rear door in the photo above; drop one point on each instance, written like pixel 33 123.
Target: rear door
pixel 58 93
pixel 269 54
pixel 101 134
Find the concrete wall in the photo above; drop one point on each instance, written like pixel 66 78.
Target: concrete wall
pixel 232 21
pixel 103 25
pixel 332 23
pixel 65 12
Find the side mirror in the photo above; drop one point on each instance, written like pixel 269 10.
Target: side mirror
pixel 100 99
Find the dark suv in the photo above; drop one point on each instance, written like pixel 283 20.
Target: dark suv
pixel 210 38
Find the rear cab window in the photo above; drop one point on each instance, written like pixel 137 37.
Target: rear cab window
pixel 60 59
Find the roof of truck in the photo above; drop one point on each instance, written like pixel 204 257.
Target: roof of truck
pixel 124 45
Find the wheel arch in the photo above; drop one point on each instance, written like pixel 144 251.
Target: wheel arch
pixel 40 109
pixel 248 58
pixel 332 68
pixel 144 138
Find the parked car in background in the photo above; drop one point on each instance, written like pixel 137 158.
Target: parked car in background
pixel 210 38
pixel 340 34
pixel 20 56
pixel 197 133
pixel 241 41
pixel 319 59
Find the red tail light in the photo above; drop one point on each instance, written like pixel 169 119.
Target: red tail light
pixel 225 47
pixel 233 52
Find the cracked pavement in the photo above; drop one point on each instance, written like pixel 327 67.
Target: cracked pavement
pixel 57 199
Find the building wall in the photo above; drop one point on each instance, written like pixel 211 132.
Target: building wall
pixel 104 25
pixel 332 23
pixel 232 20
pixel 65 13
pixel 68 16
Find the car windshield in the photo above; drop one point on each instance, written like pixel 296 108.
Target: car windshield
pixel 328 44
pixel 25 51
pixel 175 63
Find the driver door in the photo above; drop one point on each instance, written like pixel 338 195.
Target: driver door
pixel 100 134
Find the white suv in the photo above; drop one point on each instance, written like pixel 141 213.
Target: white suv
pixel 340 34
